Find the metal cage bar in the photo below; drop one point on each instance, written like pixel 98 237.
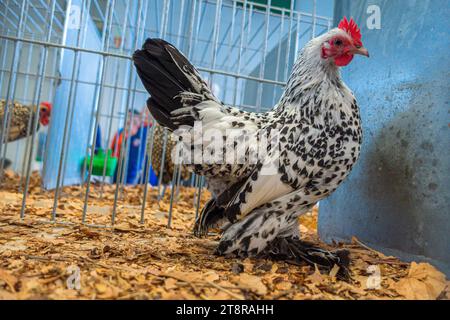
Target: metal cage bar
pixel 245 55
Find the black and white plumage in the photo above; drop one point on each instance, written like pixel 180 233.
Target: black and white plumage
pixel 319 128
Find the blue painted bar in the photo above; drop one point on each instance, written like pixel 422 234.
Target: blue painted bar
pixel 84 97
pixel 397 199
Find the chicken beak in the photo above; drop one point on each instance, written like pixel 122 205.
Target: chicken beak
pixel 361 50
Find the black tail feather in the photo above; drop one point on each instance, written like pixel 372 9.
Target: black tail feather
pixel 160 114
pixel 165 73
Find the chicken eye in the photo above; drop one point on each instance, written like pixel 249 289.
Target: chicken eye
pixel 357 46
pixel 338 42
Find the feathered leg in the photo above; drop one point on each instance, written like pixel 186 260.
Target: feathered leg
pixel 251 235
pixel 293 249
pixel 271 231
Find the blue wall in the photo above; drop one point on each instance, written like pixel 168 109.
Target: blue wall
pixel 397 198
pixel 83 95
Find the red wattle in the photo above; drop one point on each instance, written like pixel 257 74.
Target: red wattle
pixel 343 60
pixel 45 121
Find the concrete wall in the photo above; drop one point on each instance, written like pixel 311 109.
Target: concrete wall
pixel 397 198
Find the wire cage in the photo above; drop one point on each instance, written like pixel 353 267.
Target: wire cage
pixel 76 54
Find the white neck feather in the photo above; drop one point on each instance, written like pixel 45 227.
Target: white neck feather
pixel 315 84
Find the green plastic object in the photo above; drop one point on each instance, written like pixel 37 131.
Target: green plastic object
pixel 99 162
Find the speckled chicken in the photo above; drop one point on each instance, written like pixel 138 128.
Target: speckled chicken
pixel 317 131
pixel 157 152
pixel 21 116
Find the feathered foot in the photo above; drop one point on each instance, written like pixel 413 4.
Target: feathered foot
pixel 294 250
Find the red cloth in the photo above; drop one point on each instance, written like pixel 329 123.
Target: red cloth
pixel 117 144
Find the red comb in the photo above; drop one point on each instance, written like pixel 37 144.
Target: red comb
pixel 352 29
pixel 47 104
